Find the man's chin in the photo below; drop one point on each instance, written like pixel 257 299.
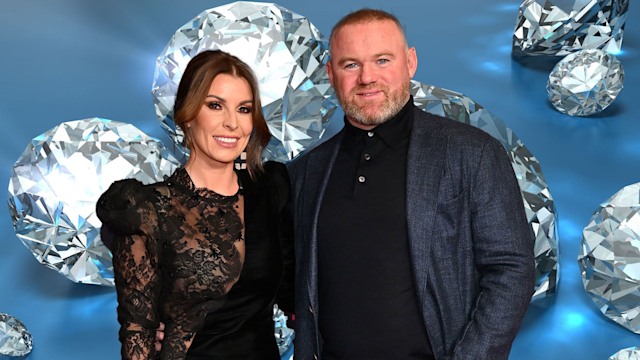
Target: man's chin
pixel 368 120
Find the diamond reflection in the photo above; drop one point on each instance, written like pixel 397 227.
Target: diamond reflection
pixel 284 335
pixel 610 257
pixel 632 353
pixel 560 27
pixel 538 203
pixel 585 82
pixel 288 55
pixel 15 339
pixel 57 180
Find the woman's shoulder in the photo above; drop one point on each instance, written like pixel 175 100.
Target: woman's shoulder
pixel 121 206
pixel 272 182
pixel 276 170
pixel 275 176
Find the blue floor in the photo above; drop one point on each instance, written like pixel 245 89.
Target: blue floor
pixel 74 59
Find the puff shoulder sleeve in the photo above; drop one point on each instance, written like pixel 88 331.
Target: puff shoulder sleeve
pixel 130 220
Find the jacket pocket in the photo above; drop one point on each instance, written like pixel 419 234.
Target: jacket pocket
pixel 452 226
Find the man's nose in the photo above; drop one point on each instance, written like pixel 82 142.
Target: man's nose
pixel 368 74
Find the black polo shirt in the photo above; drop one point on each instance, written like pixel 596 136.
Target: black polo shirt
pixel 368 307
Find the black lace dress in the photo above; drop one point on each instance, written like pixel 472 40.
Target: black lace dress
pixel 184 256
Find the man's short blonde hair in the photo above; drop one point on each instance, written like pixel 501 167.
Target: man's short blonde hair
pixel 366 15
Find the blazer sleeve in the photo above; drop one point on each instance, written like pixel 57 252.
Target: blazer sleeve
pixel 503 250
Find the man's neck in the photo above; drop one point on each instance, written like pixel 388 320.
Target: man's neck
pixel 362 126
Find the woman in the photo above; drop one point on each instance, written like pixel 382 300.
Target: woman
pixel 207 251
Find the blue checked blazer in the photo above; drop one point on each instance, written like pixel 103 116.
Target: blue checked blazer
pixel 471 246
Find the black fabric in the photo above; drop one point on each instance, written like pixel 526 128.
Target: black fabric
pixel 163 217
pixel 243 328
pixel 363 249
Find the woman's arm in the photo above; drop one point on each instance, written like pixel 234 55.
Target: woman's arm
pixel 130 223
pixel 138 287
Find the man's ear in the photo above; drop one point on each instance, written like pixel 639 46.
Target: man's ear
pixel 329 71
pixel 412 61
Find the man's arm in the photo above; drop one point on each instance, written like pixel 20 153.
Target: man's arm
pixel 503 250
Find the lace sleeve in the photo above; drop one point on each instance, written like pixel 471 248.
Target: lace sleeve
pixel 135 264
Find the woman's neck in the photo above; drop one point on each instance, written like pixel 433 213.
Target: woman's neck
pixel 222 179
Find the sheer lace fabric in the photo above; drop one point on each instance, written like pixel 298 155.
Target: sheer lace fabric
pixel 177 250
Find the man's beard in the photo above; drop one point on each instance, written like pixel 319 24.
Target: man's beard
pixel 391 106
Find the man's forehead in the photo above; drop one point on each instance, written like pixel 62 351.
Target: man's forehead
pixel 373 23
pixel 375 29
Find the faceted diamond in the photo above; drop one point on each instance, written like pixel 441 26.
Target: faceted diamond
pixel 15 339
pixel 284 335
pixel 609 257
pixel 560 27
pixel 585 83
pixel 57 180
pixel 538 203
pixel 632 353
pixel 288 55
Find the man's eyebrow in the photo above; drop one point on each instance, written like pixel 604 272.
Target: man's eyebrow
pixel 351 59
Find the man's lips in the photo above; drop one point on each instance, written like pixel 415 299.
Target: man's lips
pixel 368 93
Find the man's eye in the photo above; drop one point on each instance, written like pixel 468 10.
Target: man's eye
pixel 350 66
pixel 383 61
pixel 214 105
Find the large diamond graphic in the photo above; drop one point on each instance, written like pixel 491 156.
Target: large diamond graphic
pixel 609 257
pixel 57 180
pixel 288 55
pixel 632 353
pixel 560 27
pixel 538 203
pixel 585 82
pixel 15 339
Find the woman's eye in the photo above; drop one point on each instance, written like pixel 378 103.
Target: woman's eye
pixel 214 105
pixel 245 110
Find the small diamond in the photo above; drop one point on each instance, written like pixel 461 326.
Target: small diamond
pixel 538 203
pixel 610 258
pixel 57 180
pixel 585 83
pixel 632 353
pixel 288 55
pixel 284 335
pixel 15 339
pixel 560 27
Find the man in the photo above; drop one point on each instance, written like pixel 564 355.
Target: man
pixel 411 237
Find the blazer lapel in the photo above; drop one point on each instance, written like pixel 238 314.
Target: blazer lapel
pixel 318 170
pixel 426 157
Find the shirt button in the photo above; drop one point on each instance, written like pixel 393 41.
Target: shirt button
pixel 367 157
pixel 370 134
pixel 361 179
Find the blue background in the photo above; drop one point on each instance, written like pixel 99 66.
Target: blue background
pixel 74 59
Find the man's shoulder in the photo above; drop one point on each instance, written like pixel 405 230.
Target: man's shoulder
pixel 454 130
pixel 326 147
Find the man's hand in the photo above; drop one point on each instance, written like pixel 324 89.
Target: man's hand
pixel 159 336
